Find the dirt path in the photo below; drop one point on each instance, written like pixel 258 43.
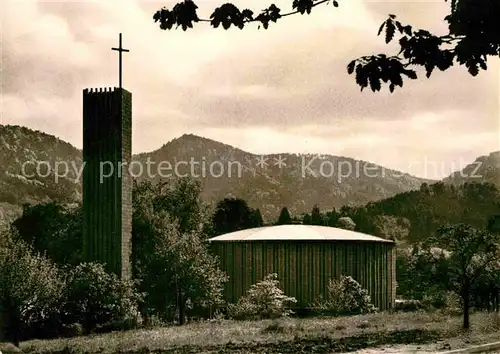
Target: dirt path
pixel 439 346
pixel 405 349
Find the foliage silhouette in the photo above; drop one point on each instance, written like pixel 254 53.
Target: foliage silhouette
pixel 284 218
pixel 256 218
pixel 54 229
pixel 233 214
pixel 316 217
pixel 473 35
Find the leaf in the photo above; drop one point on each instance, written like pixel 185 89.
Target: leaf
pixel 411 74
pixel 445 60
pixel 361 77
pixel 397 80
pixel 335 3
pixel 391 87
pixel 381 28
pixel 350 67
pixel 473 68
pixel 375 83
pixel 303 6
pixel 157 16
pixel 247 14
pixel 389 31
pixel 429 68
pixel 400 27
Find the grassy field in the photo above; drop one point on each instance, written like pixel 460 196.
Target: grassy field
pixel 311 335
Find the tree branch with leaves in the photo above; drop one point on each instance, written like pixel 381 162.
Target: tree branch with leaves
pixel 474 34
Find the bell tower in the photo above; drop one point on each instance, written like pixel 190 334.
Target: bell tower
pixel 107 183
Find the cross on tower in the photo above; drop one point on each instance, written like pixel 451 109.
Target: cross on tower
pixel 120 50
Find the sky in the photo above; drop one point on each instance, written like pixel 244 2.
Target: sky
pixel 285 89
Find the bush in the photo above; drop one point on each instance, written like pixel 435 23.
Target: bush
pixel 98 300
pixel 38 301
pixel 263 300
pixel 446 301
pixel 345 297
pixel 31 289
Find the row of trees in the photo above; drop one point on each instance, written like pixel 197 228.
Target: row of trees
pixel 416 215
pixel 412 216
pixel 176 274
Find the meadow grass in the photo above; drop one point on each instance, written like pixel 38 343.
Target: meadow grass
pixel 205 336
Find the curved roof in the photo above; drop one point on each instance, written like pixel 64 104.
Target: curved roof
pixel 297 233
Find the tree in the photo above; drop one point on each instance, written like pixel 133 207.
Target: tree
pixel 422 271
pixel 346 222
pixel 181 273
pixel 284 218
pixel 472 36
pixel 54 229
pixel 232 214
pixel 30 288
pixel 332 218
pixel 472 253
pixel 181 200
pixel 256 219
pixel 173 263
pixel 316 217
pixel 494 224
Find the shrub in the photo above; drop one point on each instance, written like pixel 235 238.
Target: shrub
pixel 345 296
pixel 99 300
pixel 447 301
pixel 263 300
pixel 30 291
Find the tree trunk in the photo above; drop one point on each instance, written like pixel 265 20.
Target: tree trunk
pixel 182 309
pixel 14 328
pixel 466 299
pixel 13 322
pixel 497 299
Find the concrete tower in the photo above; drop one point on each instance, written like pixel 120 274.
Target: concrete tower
pixel 107 183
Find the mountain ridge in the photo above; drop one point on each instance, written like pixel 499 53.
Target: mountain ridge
pixel 268 186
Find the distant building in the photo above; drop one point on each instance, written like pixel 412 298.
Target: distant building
pixel 305 257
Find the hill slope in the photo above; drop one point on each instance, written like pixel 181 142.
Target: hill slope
pixel 295 181
pixel 484 169
pixel 273 181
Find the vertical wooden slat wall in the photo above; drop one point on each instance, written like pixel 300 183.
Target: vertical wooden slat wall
pixel 304 268
pixel 107 205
